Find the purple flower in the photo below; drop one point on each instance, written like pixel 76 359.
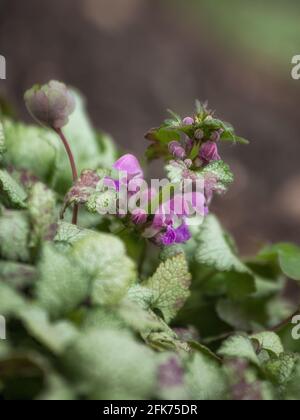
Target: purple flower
pixel 169 237
pixel 209 152
pixel 130 165
pixel 139 217
pixel 177 150
pixel 50 104
pixel 188 121
pixel 182 234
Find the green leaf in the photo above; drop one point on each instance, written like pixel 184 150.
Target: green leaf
pixel 288 257
pixel 109 364
pixel 55 337
pixel 269 341
pixel 205 378
pixel 279 370
pixel 10 301
pixel 237 285
pixel 216 252
pixel 234 314
pixel 32 148
pixel 239 346
pixel 42 212
pixel 12 195
pixel 292 390
pixel 68 233
pixel 56 389
pixel 220 171
pixel 62 284
pixel 163 135
pixel 169 286
pixel 14 236
pixel 102 257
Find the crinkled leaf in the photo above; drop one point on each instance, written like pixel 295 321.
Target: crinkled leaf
pixel 279 370
pixel 30 147
pixel 42 212
pixel 68 233
pixel 220 171
pixel 205 378
pixel 108 364
pixel 269 341
pixel 292 390
pixel 169 286
pixel 62 284
pixel 102 257
pixel 239 346
pixel 138 318
pixel 215 251
pixel 14 236
pixel 12 194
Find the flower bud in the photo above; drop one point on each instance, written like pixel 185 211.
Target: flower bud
pixel 188 121
pixel 139 217
pixel 215 136
pixel 50 104
pixel 177 150
pixel 209 152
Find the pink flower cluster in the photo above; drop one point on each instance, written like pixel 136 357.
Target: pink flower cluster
pixel 167 225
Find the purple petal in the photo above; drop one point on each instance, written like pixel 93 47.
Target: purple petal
pixel 169 237
pixel 188 121
pixel 182 234
pixel 209 152
pixel 129 164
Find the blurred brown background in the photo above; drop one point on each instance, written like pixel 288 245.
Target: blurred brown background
pixel 133 59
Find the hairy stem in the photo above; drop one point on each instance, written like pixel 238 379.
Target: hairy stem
pixel 73 167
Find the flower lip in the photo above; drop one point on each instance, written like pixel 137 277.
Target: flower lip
pixel 129 164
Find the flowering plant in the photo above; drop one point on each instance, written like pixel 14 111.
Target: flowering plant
pixel 112 288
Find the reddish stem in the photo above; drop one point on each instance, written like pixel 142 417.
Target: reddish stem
pixel 73 167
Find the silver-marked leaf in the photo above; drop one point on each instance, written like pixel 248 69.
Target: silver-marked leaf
pixel 240 347
pixel 42 212
pixel 62 284
pixel 14 236
pixel 103 258
pixel 169 286
pixel 12 194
